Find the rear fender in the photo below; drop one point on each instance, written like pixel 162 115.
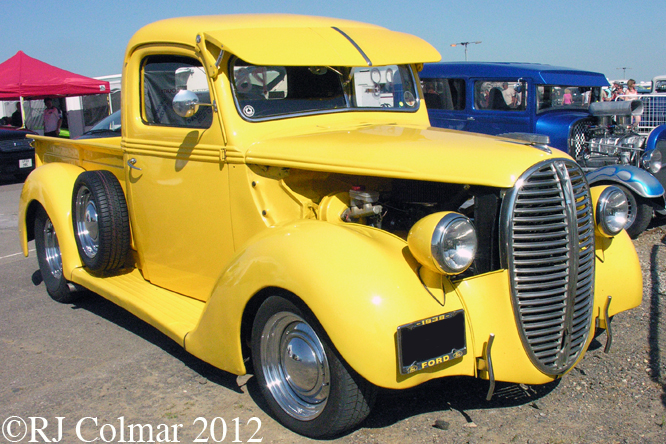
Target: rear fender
pixel 360 283
pixel 51 186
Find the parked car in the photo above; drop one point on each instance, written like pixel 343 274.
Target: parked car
pixel 659 84
pixel 563 104
pixel 17 156
pixel 287 210
pixel 108 127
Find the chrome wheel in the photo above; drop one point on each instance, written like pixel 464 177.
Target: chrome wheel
pixel 295 366
pixel 52 250
pixel 87 226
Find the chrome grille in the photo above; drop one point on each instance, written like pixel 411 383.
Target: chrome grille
pixel 577 139
pixel 548 238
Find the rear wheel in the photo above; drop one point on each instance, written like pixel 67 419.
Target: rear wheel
pixel 49 259
pixel 306 384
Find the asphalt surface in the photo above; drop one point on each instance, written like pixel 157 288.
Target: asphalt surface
pixel 95 373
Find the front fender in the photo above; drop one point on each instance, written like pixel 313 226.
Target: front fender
pixel 635 179
pixel 51 186
pixel 657 134
pixel 360 283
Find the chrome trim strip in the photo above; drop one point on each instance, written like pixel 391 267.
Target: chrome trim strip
pixel 358 48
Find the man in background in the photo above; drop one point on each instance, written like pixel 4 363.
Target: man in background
pixel 52 119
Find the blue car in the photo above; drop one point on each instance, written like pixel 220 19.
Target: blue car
pixel 562 108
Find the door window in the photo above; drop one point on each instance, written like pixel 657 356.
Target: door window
pixel 448 94
pixel 163 77
pixel 504 95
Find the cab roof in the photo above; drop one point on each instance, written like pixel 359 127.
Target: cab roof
pixel 541 74
pixel 296 40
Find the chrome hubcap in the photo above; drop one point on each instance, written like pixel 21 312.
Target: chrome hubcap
pixel 52 250
pixel 87 228
pixel 295 366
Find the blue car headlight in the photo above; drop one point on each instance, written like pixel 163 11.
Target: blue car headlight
pixel 652 161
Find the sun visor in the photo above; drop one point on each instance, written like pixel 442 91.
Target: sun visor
pixel 324 46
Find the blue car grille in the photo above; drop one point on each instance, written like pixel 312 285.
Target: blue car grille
pixel 577 137
pixel 548 236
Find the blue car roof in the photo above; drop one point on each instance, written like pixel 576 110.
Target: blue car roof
pixel 541 74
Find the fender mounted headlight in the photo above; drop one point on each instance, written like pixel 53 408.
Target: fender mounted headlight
pixel 652 161
pixel 612 211
pixel 443 242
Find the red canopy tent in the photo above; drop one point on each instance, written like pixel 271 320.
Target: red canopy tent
pixel 21 76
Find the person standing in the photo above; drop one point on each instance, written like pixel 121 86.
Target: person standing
pixel 632 94
pixel 17 118
pixel 52 119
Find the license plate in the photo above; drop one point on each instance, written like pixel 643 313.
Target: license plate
pixel 25 163
pixel 432 341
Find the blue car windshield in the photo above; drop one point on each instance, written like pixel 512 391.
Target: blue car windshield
pixel 263 92
pixel 561 97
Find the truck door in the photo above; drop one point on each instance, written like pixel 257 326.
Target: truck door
pixel 177 180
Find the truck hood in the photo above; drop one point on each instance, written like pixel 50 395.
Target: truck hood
pixel 431 154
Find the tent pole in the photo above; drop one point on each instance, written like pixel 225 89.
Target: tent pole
pixel 22 112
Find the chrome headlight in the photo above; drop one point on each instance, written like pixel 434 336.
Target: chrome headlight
pixel 612 211
pixel 652 161
pixel 444 242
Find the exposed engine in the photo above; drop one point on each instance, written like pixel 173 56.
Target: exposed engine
pixel 608 138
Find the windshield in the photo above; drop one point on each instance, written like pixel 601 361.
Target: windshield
pixel 277 91
pixel 107 127
pixel 550 97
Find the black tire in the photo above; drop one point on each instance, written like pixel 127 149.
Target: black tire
pixel 640 213
pixel 311 375
pixel 49 259
pixel 100 220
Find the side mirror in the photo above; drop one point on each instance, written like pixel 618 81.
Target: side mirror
pixel 185 103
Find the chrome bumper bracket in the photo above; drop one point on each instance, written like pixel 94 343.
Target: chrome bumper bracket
pixel 485 363
pixel 607 321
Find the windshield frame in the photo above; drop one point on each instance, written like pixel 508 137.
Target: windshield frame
pixel 343 95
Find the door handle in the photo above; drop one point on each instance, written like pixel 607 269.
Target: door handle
pixel 131 163
pixel 470 118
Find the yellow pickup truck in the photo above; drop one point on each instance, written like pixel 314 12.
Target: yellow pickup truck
pixel 278 204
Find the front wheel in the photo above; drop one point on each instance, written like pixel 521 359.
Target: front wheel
pixel 306 384
pixel 640 213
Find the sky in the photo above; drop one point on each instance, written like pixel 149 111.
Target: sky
pixel 89 37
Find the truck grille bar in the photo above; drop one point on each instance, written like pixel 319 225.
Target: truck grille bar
pixel 547 244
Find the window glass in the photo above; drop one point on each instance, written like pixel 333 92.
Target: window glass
pixel 163 77
pixel 551 97
pixel 506 95
pixel 276 91
pixel 448 94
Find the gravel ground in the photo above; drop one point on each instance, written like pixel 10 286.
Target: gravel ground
pixel 619 397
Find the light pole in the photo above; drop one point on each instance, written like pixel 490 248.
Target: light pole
pixel 465 44
pixel 624 72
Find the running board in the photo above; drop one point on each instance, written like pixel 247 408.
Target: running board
pixel 173 314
